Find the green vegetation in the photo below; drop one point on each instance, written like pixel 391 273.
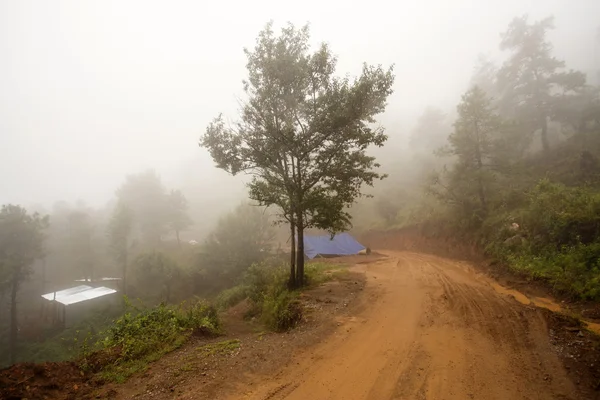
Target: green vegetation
pixel 318 273
pixel 143 336
pixel 303 135
pixel 277 305
pixel 21 243
pixel 267 290
pixel 558 239
pixel 225 347
pixel 533 205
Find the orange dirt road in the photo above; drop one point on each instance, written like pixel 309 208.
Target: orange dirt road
pixel 427 328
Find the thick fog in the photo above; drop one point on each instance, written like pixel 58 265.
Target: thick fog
pixel 92 91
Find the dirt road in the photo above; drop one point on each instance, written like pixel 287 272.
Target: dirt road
pixel 429 328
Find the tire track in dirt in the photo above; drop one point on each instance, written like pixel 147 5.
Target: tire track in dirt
pixel 429 329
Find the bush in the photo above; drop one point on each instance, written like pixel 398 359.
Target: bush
pixel 558 239
pixel 143 336
pixel 282 311
pixel 267 289
pixel 264 280
pixel 560 215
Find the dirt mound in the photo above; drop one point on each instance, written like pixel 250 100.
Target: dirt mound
pixel 44 381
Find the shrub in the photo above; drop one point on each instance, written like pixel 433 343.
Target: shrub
pixel 143 336
pixel 319 272
pixel 281 311
pixel 267 289
pixel 264 279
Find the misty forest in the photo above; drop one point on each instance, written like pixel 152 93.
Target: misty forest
pixel 306 143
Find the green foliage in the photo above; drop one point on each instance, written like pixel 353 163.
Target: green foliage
pixel 534 84
pixel 65 344
pixel 558 239
pixel 560 215
pixel 21 243
pixel 143 336
pixel 225 347
pixel 264 280
pixel 318 273
pixel 303 132
pixel 466 186
pixel 267 289
pixel 281 311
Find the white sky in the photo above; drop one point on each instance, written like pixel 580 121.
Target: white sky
pixel 93 90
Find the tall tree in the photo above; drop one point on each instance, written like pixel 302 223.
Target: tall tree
pixel 531 79
pixel 119 236
pixel 147 199
pixel 303 133
pixel 473 143
pixel 178 216
pixel 21 243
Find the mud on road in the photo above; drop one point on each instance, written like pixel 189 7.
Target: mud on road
pixel 429 328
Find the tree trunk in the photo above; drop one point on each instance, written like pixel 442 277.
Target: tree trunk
pixel 12 342
pixel 300 254
pixel 178 241
pixel 292 281
pixel 544 134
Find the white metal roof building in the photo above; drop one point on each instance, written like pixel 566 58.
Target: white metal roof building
pixel 78 294
pixel 70 298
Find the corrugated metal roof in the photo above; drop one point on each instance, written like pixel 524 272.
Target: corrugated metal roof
pixel 98 279
pixel 78 294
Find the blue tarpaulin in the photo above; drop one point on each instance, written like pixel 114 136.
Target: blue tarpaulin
pixel 341 244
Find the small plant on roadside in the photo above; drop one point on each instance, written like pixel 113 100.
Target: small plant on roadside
pixel 282 312
pixel 225 347
pixel 318 273
pixel 277 306
pixel 142 336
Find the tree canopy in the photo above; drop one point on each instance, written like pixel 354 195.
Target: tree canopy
pixel 21 243
pixel 533 82
pixel 303 132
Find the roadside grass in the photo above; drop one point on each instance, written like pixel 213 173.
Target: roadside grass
pixel 141 337
pixel 319 272
pixel 225 347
